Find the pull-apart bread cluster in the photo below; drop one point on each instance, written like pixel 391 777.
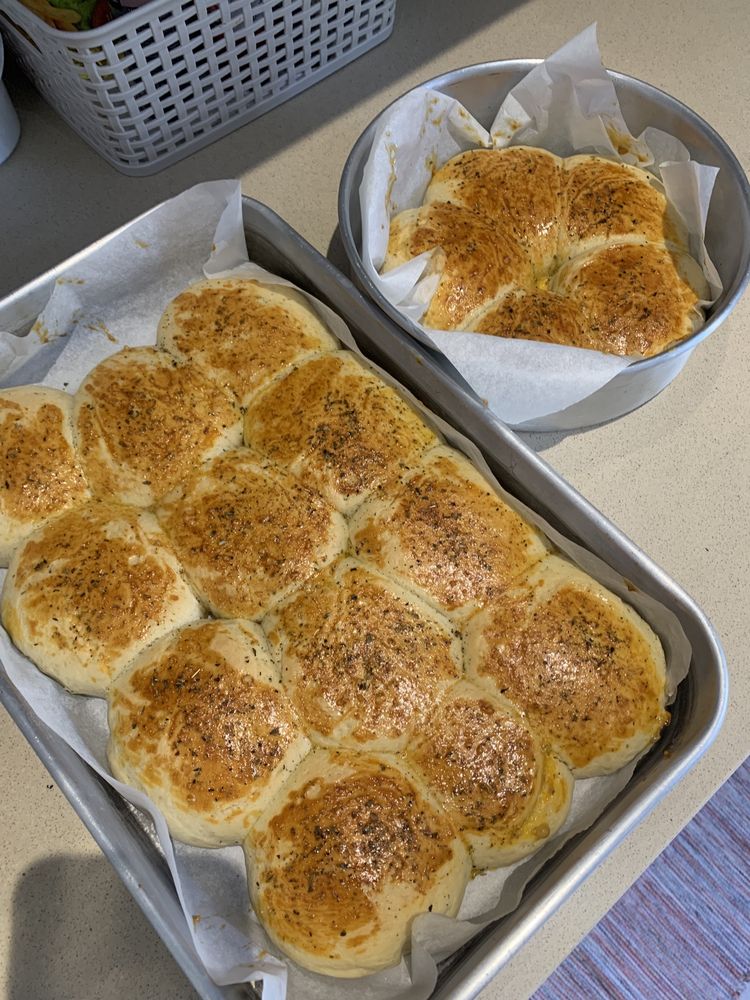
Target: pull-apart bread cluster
pixel 582 251
pixel 322 634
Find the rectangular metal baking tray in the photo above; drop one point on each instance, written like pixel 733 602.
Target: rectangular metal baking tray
pixel 696 715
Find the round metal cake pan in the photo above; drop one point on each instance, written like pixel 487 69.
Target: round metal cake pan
pixel 481 89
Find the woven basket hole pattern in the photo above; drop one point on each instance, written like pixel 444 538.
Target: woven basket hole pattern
pixel 186 70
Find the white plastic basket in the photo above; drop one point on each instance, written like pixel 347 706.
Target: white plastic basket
pixel 170 77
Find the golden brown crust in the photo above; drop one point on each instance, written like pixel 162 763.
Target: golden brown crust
pixel 337 426
pixel 200 723
pixel 477 261
pixel 242 332
pixel 40 475
pixel 446 533
pixel 517 189
pixel 350 854
pixel 604 202
pixel 574 221
pixel 247 532
pixel 586 670
pixel 90 589
pixel 143 421
pixel 536 315
pixel 481 758
pixel 363 660
pixel 635 296
pixel 502 790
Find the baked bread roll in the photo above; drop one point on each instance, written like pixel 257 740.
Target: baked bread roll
pixel 530 246
pixel 363 659
pixel 447 534
pixel 242 332
pixel 537 315
pixel 350 852
pixel 143 421
pixel 637 298
pixel 90 589
pixel 503 790
pixel 337 426
pixel 247 532
pixel 605 202
pixel 40 474
pixel 586 670
pixel 476 260
pixel 199 722
pixel 517 189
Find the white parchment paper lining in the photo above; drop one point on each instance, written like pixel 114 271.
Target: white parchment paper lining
pixel 567 105
pixel 111 299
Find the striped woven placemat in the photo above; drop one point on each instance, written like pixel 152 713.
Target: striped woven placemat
pixel 682 931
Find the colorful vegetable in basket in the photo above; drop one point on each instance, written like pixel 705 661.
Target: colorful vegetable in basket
pixel 78 15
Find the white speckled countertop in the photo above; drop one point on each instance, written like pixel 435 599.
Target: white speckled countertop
pixel 674 475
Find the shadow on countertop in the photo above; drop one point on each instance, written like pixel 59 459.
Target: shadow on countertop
pixel 119 954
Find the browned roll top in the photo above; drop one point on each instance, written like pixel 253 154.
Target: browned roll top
pixel 635 296
pixel 352 851
pixel 445 533
pixel 41 475
pixel 363 659
pixel 236 725
pixel 242 332
pixel 482 760
pixel 536 315
pixel 603 201
pixel 91 588
pixel 478 260
pixel 517 192
pixel 529 246
pixel 587 671
pixel 337 425
pixel 247 532
pixel 199 721
pixel 144 420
